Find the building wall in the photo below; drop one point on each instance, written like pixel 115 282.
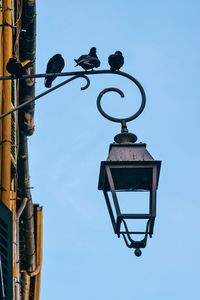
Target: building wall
pixel 19 216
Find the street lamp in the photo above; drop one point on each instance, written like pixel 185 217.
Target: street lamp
pixel 129 167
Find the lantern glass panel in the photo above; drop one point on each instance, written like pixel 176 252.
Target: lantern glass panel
pixel 112 205
pixel 129 178
pixel 133 202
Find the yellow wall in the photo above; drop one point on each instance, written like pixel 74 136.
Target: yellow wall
pixel 7 94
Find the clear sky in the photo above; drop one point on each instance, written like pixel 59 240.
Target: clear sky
pixel 82 258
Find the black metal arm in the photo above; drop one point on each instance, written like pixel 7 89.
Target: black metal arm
pixel 83 74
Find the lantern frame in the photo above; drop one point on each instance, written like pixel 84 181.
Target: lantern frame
pixel 129 168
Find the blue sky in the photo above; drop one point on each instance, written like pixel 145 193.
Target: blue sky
pixel 82 257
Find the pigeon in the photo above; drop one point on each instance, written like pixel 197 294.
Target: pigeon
pixel 15 67
pixel 116 61
pixel 55 65
pixel 88 61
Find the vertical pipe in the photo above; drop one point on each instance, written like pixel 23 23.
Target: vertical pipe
pixel 39 253
pixel 26 290
pixel 6 106
pixel 28 215
pixel 7 96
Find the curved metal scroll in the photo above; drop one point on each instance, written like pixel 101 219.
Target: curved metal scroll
pixel 133 116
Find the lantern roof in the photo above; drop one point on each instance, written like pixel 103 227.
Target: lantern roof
pixel 129 152
pixel 131 167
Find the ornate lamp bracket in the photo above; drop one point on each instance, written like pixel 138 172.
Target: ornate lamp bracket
pixel 85 74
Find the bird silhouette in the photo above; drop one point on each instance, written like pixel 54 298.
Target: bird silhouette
pixel 55 65
pixel 15 67
pixel 88 61
pixel 116 61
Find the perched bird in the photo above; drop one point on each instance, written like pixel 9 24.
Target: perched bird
pixel 55 65
pixel 116 61
pixel 15 67
pixel 88 61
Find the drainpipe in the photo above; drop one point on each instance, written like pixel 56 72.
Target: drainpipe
pixel 27 51
pixel 7 94
pixel 29 237
pixel 37 273
pixel 26 286
pixel 16 243
pixel 28 213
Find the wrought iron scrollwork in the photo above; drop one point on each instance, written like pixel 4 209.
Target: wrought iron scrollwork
pixel 85 74
pixel 107 90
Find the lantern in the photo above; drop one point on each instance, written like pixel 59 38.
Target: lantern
pixel 129 168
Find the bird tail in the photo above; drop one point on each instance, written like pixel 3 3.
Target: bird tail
pixel 47 83
pixel 76 61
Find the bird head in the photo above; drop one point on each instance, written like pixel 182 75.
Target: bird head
pixel 118 53
pixel 57 55
pixel 93 51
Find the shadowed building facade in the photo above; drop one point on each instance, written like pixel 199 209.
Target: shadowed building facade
pixel 20 218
